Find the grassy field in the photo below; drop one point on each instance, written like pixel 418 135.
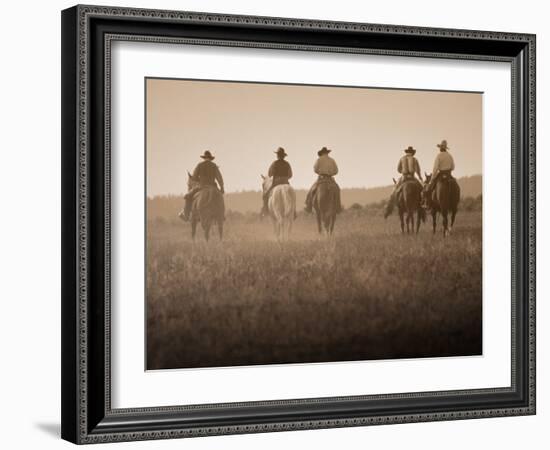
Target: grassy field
pixel 368 293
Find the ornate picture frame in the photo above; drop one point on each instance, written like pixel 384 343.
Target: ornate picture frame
pixel 87 35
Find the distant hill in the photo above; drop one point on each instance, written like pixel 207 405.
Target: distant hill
pixel 251 201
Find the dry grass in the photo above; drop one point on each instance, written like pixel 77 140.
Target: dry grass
pixel 369 293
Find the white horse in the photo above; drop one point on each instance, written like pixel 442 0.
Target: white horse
pixel 281 206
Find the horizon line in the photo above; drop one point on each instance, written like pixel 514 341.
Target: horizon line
pixel 258 191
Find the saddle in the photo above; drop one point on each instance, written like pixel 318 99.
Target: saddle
pixel 328 179
pixel 409 179
pixel 205 190
pixel 445 175
pixel 412 180
pixel 277 181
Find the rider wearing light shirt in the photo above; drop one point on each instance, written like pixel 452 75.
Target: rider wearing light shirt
pixel 325 165
pixel 443 164
pixel 443 161
pixel 326 168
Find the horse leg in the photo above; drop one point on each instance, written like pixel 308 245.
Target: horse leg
pixel 434 220
pixel 402 222
pixel 290 223
pixel 445 223
pixel 333 221
pixel 277 228
pixel 453 215
pixel 418 214
pixel 193 228
pixel 220 229
pixel 319 224
pixel 290 219
pixel 206 229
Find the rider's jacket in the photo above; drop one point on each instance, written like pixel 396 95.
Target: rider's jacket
pixel 443 161
pixel 207 174
pixel 408 165
pixel 281 171
pixel 325 165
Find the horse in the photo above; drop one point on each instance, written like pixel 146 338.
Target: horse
pixel 409 205
pixel 325 204
pixel 208 207
pixel 444 199
pixel 281 206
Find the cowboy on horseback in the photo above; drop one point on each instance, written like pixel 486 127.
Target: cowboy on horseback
pixel 205 174
pixel 281 172
pixel 408 167
pixel 442 193
pixel 325 167
pixel 443 165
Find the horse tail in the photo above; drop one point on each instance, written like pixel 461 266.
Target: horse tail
pixel 210 204
pixel 411 196
pixel 289 201
pixel 448 194
pixel 282 207
pixel 422 213
pixel 283 202
pixel 443 191
pixel 455 195
pixel 328 204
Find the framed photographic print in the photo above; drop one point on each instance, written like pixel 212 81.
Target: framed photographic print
pixel 277 224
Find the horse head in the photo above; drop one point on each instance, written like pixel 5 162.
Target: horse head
pixel 426 199
pixel 266 183
pixel 428 178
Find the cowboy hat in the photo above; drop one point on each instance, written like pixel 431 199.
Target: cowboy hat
pixel 281 151
pixel 207 155
pixel 443 144
pixel 409 149
pixel 324 151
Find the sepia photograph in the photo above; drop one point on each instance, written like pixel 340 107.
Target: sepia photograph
pixel 271 223
pixel 293 223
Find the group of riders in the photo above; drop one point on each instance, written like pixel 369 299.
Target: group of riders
pixel 409 168
pixel 207 174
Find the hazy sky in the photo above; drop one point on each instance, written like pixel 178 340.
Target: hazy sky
pixel 242 124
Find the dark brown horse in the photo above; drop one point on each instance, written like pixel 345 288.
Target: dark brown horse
pixel 409 206
pixel 207 208
pixel 325 204
pixel 444 199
